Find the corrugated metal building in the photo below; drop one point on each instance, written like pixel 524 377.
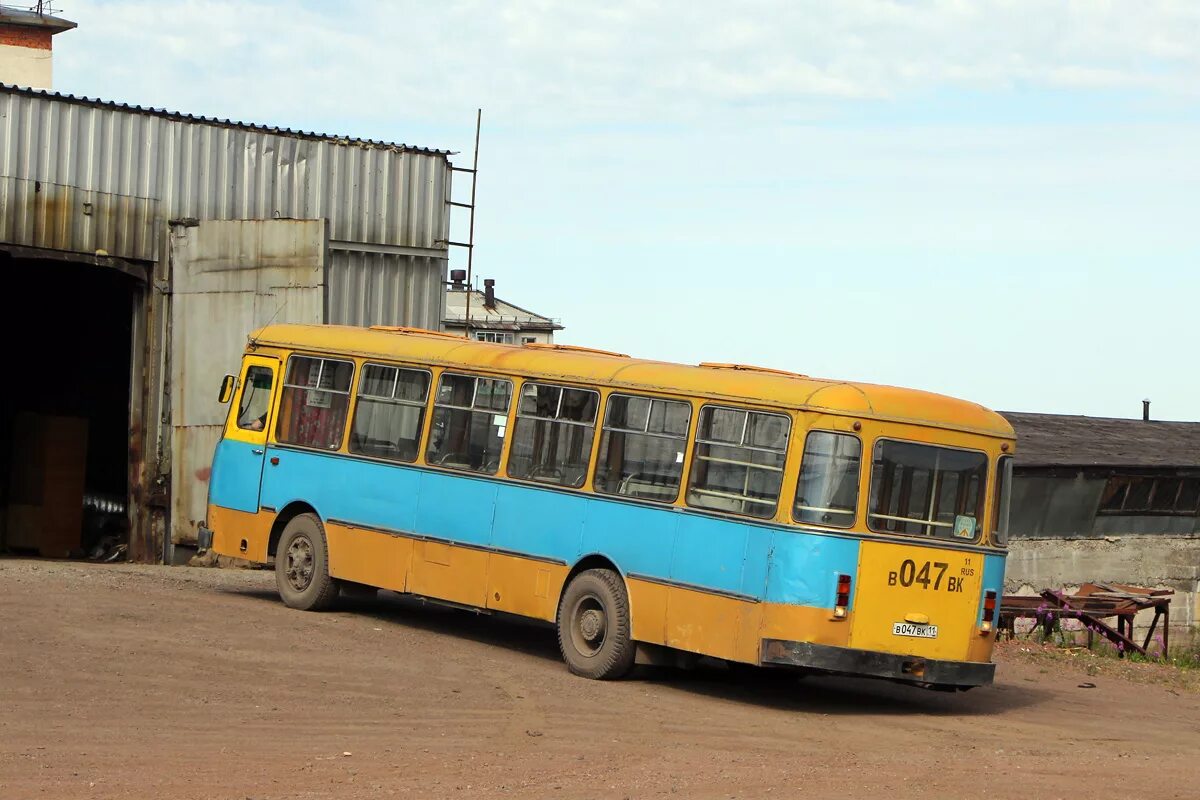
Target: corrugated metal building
pixel 151 242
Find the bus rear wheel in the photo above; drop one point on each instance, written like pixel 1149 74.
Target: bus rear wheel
pixel 593 626
pixel 302 565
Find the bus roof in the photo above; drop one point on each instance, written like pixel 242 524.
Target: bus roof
pixel 582 365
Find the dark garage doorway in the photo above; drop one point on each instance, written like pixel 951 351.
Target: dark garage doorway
pixel 65 412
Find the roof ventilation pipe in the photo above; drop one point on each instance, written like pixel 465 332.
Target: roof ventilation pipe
pixel 1145 411
pixel 489 293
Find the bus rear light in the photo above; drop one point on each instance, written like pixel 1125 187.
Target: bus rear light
pixel 989 606
pixel 989 612
pixel 842 603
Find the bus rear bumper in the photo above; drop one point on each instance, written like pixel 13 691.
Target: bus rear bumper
pixel 848 661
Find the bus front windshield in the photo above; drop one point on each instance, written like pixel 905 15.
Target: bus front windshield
pixel 922 490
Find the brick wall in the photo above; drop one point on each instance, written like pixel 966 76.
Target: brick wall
pixel 24 36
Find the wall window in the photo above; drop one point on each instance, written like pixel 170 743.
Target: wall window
pixel 737 465
pixel 470 417
pixel 922 490
pixel 827 492
pixel 1149 495
pixel 499 337
pixel 642 446
pixel 316 397
pixel 552 440
pixel 390 412
pixel 528 340
pixel 256 399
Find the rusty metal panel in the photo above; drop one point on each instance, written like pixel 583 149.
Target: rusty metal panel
pixel 227 278
pixel 57 216
pixel 371 192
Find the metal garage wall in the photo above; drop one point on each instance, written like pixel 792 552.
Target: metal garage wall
pixel 227 278
pixel 386 203
pixel 116 175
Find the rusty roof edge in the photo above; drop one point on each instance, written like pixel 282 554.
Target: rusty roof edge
pixel 96 102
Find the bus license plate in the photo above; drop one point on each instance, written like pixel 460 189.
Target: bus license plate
pixel 917 631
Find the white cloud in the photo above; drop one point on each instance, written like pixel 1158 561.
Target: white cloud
pixel 564 62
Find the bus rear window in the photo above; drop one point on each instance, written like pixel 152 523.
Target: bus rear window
pixel 922 490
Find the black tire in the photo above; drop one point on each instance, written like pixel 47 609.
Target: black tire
pixel 593 626
pixel 302 565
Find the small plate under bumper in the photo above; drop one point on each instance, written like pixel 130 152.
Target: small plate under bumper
pixel 848 661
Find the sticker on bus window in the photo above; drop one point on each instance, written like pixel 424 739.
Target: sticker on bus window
pixel 964 527
pixel 679 458
pixel 499 419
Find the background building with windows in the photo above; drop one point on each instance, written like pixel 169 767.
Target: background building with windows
pixel 1107 500
pixel 492 319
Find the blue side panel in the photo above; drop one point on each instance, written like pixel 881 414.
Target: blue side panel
pixel 344 489
pixel 455 507
pixel 758 556
pixel 537 522
pixel 236 471
pixel 804 569
pixel 657 542
pixel 993 579
pixel 709 552
pixel 637 538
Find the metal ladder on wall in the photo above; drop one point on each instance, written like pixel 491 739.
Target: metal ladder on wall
pixel 470 243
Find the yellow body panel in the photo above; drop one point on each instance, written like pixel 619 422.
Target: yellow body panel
pixel 457 574
pixel 370 557
pixel 648 607
pixel 230 527
pixel 700 622
pixel 524 586
pixel 805 624
pixel 919 585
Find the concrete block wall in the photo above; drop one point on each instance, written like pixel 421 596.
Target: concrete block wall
pixel 1157 561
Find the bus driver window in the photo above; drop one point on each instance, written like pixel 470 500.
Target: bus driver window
pixel 256 399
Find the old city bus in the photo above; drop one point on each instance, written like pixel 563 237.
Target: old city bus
pixel 647 509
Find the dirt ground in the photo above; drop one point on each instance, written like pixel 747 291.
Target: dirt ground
pixel 155 682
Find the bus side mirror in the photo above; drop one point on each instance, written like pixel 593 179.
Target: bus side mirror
pixel 226 393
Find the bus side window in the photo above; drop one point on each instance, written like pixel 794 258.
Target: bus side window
pixel 827 492
pixel 737 465
pixel 390 412
pixel 470 415
pixel 552 437
pixel 642 446
pixel 256 399
pixel 316 399
pixel 1000 511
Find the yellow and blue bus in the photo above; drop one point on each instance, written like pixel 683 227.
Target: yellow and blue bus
pixel 648 510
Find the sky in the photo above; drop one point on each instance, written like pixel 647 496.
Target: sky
pixel 994 200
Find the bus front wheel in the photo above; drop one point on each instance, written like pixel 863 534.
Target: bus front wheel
pixel 593 626
pixel 302 565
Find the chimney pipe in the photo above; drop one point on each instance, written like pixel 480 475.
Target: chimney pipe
pixel 1145 411
pixel 489 293
pixel 457 278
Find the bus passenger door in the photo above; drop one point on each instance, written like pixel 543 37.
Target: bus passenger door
pixel 238 463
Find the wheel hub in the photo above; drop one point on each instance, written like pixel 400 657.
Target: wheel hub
pixel 300 563
pixel 591 625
